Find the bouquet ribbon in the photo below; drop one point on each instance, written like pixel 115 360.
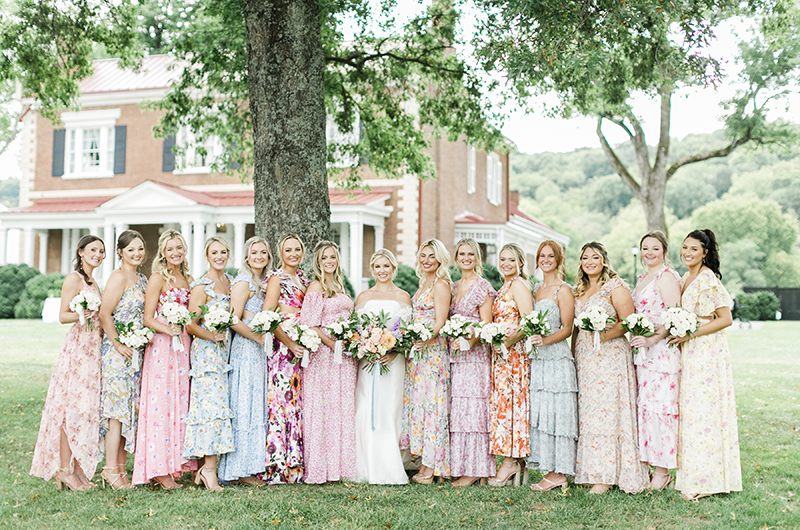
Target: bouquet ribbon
pixel 135 361
pixel 338 347
pixel 81 318
pixel 268 344
pixel 177 343
pixel 504 349
pixel 376 391
pixel 596 340
pixel 412 350
pixel 529 344
pixel 306 358
pixel 463 344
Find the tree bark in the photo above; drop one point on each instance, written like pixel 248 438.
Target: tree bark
pixel 286 69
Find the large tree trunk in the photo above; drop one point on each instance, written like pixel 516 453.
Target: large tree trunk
pixel 286 69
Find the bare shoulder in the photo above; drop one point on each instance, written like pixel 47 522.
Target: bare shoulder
pixel 314 287
pixel 73 280
pixel 402 296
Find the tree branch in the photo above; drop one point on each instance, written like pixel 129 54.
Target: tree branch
pixel 615 162
pixel 714 153
pixel 662 151
pixel 359 60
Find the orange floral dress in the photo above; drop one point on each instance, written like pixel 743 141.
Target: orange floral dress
pixel 509 404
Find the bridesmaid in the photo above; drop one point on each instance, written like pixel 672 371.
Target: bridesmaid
pixel 509 405
pixel 658 364
pixel 329 388
pixel 608 449
pixel 708 437
pixel 471 373
pixel 67 443
pixel 286 289
pixel 164 401
pixel 248 373
pixel 554 384
pixel 426 395
pixel 123 302
pixel 208 424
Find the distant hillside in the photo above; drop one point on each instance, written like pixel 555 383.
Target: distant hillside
pixel 9 192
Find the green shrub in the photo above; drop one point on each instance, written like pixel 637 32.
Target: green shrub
pixel 758 306
pixel 12 284
pixel 406 279
pixel 37 289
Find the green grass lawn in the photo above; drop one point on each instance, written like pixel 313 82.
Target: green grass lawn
pixel 767 375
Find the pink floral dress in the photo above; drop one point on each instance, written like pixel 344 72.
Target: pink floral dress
pixel 470 388
pixel 608 448
pixel 329 398
pixel 708 436
pixel 426 405
pixel 658 370
pixel 284 408
pixel 164 402
pixel 509 405
pixel 73 401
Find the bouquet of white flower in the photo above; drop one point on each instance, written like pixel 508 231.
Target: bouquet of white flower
pixel 217 319
pixel 307 338
pixel 265 323
pixel 85 301
pixel 679 321
pixel 494 333
pixel 175 313
pixel 136 337
pixel 594 319
pixel 414 332
pixel 534 323
pixel 459 328
pixel 638 326
pixel 342 330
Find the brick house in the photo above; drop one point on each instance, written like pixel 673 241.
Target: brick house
pixel 102 171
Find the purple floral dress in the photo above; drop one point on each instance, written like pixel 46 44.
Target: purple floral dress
pixel 284 408
pixel 658 370
pixel 470 388
pixel 329 398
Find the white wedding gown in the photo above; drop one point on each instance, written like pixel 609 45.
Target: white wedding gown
pixel 378 458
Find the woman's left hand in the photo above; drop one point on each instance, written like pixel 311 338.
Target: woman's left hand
pixel 218 337
pixel 678 340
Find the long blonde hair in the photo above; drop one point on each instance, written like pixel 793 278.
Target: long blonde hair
pixel 383 253
pixel 246 269
pixel 160 261
pixel 582 281
pixel 338 275
pixel 558 252
pixel 284 238
pixel 441 255
pixel 476 248
pixel 519 255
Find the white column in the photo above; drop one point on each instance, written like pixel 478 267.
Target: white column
pixel 198 262
pixel 111 250
pixel 356 252
pixel 211 230
pixel 3 239
pixel 238 243
pixel 378 237
pixel 43 237
pixel 344 247
pixel 28 242
pixel 74 237
pixel 65 248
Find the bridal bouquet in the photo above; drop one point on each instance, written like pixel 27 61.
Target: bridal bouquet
pixel 459 328
pixel 265 323
pixel 414 332
pixel 305 337
pixel 534 323
pixel 594 319
pixel 217 319
pixel 495 333
pixel 374 338
pixel 679 321
pixel 175 313
pixel 85 301
pixel 136 337
pixel 342 330
pixel 638 326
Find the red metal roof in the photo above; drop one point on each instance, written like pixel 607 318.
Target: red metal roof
pixel 339 197
pixel 80 204
pixel 513 209
pixel 108 77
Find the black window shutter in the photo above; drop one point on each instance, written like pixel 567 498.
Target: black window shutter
pixel 120 132
pixel 168 157
pixel 59 139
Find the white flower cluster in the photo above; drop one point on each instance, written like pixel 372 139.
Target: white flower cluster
pixel 341 329
pixel 535 322
pixel 679 321
pixel 265 321
pixel 594 318
pixel 421 331
pixel 304 336
pixel 493 332
pixel 85 301
pixel 175 313
pixel 457 327
pixel 218 319
pixel 638 325
pixel 136 336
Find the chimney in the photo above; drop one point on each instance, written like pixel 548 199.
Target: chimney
pixel 514 197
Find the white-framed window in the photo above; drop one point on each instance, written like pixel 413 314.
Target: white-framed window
pixel 89 143
pixel 335 137
pixel 472 164
pixel 196 157
pixel 494 179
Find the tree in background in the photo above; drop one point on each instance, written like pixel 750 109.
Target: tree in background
pixel 596 54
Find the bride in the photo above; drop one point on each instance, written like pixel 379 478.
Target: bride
pixel 379 398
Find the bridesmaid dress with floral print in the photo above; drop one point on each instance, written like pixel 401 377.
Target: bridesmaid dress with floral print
pixel 247 379
pixel 658 370
pixel 554 399
pixel 470 388
pixel 708 436
pixel 73 401
pixel 509 405
pixel 208 424
pixel 164 402
pixel 284 407
pixel 426 394
pixel 608 447
pixel 329 398
pixel 119 397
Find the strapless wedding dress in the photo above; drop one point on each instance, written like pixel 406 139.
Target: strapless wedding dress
pixel 379 409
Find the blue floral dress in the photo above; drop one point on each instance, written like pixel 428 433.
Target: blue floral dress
pixel 208 425
pixel 247 379
pixel 119 379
